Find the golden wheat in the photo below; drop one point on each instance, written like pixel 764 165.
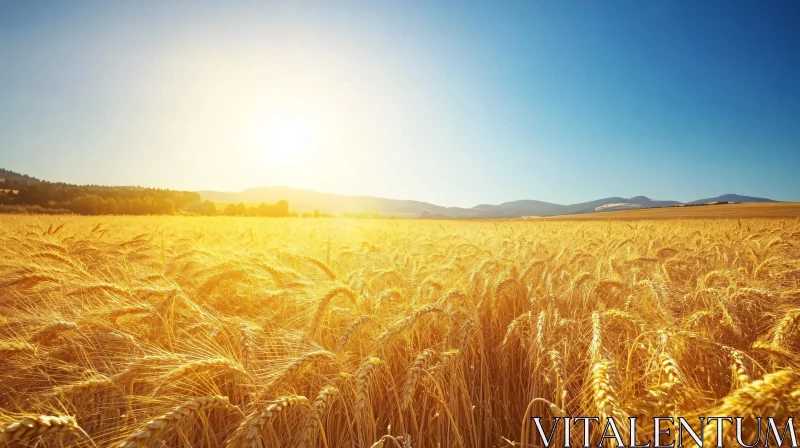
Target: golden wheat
pixel 32 427
pixel 156 426
pixel 313 420
pixel 441 333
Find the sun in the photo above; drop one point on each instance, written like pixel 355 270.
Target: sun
pixel 285 139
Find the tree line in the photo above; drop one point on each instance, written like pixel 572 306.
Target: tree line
pixel 24 194
pixel 280 209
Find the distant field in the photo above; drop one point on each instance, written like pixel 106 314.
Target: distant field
pixel 753 210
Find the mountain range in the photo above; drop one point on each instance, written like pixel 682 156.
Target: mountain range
pixel 309 200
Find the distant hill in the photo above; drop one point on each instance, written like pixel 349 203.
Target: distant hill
pixel 309 200
pixel 516 209
pixel 618 204
pixel 19 191
pixel 7 175
pixel 732 198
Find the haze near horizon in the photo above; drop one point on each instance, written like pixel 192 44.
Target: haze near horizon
pixel 455 105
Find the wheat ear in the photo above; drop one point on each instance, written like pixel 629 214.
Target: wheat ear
pixel 9 349
pixel 364 381
pixel 325 302
pixel 41 425
pixel 313 420
pixel 776 395
pixel 252 427
pixel 420 363
pixel 52 331
pixel 156 426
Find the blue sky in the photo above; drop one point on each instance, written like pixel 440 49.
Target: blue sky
pixel 456 103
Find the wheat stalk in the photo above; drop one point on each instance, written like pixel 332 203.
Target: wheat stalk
pixel 777 395
pixel 597 340
pixel 420 363
pixel 52 331
pixel 302 361
pixel 83 388
pixel 605 393
pixel 313 420
pixel 324 303
pixel 214 365
pixel 352 328
pixel 32 427
pixel 740 369
pixel 249 432
pixel 9 349
pixel 540 331
pixel 142 308
pixel 407 323
pixel 787 329
pixel 155 427
pixel 513 328
pixel 557 362
pixel 363 383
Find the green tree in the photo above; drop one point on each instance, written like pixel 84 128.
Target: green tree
pixel 208 208
pixel 281 208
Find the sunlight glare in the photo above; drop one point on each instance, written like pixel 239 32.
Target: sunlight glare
pixel 285 139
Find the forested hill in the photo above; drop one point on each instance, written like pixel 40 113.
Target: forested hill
pixel 11 175
pixel 24 194
pixel 20 193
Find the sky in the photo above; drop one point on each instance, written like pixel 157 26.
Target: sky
pixel 455 103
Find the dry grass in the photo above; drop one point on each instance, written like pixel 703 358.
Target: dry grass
pixel 226 332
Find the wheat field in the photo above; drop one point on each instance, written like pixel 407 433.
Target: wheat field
pixel 238 332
